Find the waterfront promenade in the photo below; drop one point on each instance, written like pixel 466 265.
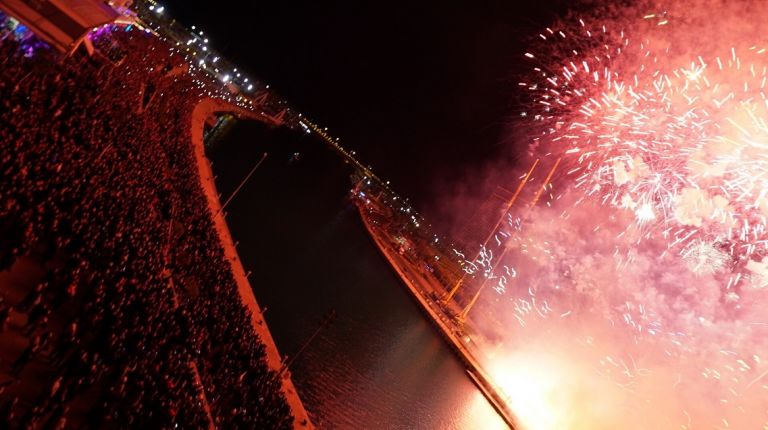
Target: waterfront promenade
pixel 202 111
pixel 423 289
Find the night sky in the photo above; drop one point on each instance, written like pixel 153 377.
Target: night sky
pixel 422 90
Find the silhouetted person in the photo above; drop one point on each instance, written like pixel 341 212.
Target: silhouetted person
pixel 22 360
pixel 7 413
pixel 32 297
pixel 36 318
pixel 5 313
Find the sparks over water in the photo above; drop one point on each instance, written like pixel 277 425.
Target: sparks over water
pixel 633 293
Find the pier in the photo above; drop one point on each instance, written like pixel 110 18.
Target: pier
pixel 424 290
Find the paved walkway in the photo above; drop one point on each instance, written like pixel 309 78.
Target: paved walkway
pixel 202 111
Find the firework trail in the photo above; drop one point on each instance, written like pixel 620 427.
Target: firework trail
pixel 633 295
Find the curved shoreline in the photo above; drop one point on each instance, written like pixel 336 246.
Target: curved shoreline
pixel 201 111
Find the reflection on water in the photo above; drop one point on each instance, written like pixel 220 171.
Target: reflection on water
pixel 379 365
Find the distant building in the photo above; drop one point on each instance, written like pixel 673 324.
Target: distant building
pixel 64 24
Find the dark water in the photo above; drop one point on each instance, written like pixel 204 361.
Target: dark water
pixel 379 365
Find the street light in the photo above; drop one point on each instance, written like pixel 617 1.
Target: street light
pixel 234 193
pixel 325 322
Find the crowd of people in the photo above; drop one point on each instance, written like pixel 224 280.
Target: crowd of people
pixel 117 306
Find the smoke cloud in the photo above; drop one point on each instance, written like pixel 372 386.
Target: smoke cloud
pixel 632 294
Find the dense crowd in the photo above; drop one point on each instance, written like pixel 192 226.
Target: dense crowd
pixel 132 316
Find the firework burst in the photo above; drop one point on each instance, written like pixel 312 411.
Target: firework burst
pixel 647 265
pixel 681 143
